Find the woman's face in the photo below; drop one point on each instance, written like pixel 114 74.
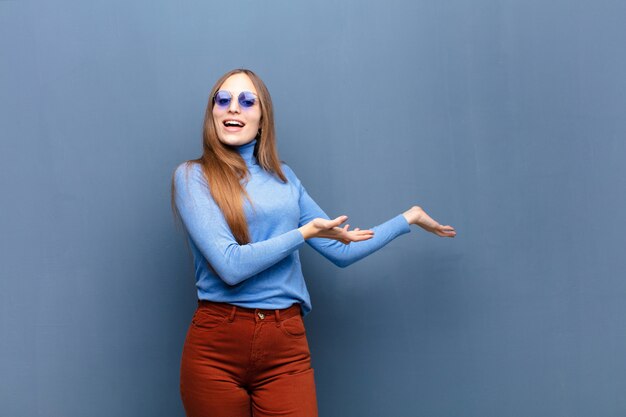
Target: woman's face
pixel 237 125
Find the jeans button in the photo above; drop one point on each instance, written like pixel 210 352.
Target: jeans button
pixel 261 315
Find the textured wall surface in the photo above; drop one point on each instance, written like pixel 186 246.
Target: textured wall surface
pixel 502 118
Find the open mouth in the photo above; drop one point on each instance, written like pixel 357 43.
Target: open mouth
pixel 233 123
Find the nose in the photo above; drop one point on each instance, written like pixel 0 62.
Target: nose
pixel 233 107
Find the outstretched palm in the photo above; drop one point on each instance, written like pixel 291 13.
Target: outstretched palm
pixel 331 229
pixel 416 215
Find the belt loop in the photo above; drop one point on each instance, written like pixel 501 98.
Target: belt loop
pixel 277 314
pixel 232 314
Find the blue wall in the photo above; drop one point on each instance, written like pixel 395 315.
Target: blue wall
pixel 502 118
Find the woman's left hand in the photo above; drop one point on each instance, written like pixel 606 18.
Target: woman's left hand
pixel 416 215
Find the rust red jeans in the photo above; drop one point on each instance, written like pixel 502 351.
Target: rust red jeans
pixel 240 362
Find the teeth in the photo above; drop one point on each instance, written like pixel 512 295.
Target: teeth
pixel 233 123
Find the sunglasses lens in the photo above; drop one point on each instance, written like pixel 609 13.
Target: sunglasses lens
pixel 222 98
pixel 247 99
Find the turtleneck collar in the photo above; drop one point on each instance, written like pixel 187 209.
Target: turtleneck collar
pixel 247 152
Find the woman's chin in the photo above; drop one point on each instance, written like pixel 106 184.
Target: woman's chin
pixel 235 140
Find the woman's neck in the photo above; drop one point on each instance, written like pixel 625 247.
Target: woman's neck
pixel 247 152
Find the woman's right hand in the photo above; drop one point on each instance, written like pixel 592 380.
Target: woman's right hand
pixel 330 229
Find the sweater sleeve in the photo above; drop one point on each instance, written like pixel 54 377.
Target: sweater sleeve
pixel 210 232
pixel 338 253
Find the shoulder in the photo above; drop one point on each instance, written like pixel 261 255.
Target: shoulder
pixel 188 173
pixel 291 176
pixel 186 169
pixel 289 173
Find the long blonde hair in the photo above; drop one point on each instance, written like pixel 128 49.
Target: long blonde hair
pixel 225 170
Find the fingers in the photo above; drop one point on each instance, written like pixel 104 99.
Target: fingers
pixel 357 236
pixel 332 229
pixel 344 235
pixel 429 224
pixel 446 231
pixel 337 221
pixel 361 238
pixel 327 224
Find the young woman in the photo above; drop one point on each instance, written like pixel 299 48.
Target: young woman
pixel 246 215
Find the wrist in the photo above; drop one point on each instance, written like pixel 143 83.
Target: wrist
pixel 413 215
pixel 306 231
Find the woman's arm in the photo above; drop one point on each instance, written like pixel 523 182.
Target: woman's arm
pixel 343 255
pixel 338 253
pixel 210 232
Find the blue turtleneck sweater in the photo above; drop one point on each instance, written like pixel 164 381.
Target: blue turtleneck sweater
pixel 265 273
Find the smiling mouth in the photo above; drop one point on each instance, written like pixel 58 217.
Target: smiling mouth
pixel 233 123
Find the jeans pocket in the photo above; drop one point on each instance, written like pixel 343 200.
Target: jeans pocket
pixel 293 327
pixel 207 320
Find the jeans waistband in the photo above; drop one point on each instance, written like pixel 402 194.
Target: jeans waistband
pixel 233 311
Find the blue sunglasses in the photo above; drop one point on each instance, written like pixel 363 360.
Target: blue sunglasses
pixel 246 99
